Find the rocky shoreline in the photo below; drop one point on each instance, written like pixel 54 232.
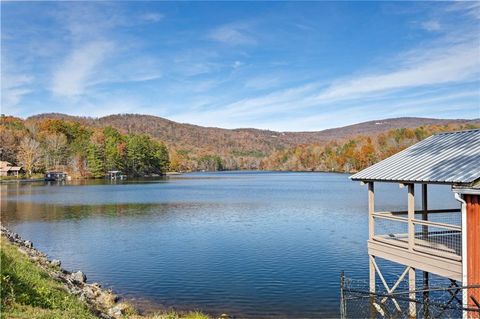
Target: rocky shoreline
pixel 102 302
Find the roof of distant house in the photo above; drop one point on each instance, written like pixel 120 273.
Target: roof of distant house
pixel 10 169
pixel 5 164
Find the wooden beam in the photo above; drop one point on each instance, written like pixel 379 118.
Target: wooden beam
pixel 430 211
pixel 411 216
pixel 371 210
pixel 372 277
pixel 412 307
pixel 440 266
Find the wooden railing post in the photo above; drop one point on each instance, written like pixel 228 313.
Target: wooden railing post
pixel 371 210
pixel 411 216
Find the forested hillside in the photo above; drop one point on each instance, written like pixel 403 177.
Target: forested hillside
pixel 144 145
pixel 353 154
pixel 82 151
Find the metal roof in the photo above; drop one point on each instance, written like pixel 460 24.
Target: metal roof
pixel 447 158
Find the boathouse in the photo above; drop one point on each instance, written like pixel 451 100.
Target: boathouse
pixel 115 175
pixel 444 242
pixel 7 169
pixel 54 176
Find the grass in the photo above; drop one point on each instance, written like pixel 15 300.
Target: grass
pixel 28 292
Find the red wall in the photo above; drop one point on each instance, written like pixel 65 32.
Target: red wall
pixel 473 247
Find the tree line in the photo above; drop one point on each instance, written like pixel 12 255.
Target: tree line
pixel 85 151
pixel 81 151
pixel 354 154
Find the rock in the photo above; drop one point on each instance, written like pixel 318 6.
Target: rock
pixel 117 310
pixel 56 263
pixel 28 244
pixel 89 293
pixel 79 277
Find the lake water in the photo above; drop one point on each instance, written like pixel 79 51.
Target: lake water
pixel 250 244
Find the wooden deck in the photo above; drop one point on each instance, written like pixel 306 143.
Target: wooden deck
pixel 440 255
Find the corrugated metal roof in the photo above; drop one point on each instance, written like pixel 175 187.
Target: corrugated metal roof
pixel 450 158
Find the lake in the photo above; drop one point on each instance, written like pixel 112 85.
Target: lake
pixel 250 244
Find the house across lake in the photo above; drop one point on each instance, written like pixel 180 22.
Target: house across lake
pixel 8 169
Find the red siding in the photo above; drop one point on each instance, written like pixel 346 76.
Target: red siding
pixel 473 247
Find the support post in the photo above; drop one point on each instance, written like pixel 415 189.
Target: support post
pixel 371 230
pixel 371 233
pixel 412 307
pixel 425 236
pixel 343 306
pixel 411 216
pixel 371 210
pixel 411 242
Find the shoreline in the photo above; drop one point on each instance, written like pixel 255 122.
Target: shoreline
pixel 103 303
pixel 174 174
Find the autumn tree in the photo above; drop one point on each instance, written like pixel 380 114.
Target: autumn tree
pixel 55 150
pixel 29 154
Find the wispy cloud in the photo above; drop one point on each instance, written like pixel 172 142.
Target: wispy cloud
pixel 233 34
pixel 152 17
pixel 14 87
pixel 431 25
pixel 15 83
pixel 458 63
pixel 450 64
pixel 471 8
pixel 74 74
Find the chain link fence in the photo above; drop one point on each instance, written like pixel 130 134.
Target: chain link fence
pixel 356 301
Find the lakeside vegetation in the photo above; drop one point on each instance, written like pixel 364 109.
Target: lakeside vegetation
pixel 80 150
pixel 85 150
pixel 27 291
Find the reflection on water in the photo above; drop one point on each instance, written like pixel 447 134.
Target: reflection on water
pixel 254 244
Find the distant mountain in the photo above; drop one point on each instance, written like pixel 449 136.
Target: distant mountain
pixel 245 141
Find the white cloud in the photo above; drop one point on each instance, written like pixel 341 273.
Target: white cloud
pixel 14 87
pixel 237 64
pixel 233 34
pixel 74 74
pixel 262 82
pixel 420 70
pixel 431 25
pixel 471 8
pixel 152 17
pixel 438 66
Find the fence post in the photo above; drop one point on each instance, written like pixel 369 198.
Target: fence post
pixel 343 308
pixel 426 315
pixel 411 242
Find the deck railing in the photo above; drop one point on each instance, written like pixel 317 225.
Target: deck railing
pixel 440 235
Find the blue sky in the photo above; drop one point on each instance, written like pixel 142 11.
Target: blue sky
pixel 286 66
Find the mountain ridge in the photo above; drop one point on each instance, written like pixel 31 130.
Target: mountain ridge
pixel 192 147
pixel 175 133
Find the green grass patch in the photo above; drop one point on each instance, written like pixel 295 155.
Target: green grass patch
pixel 27 291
